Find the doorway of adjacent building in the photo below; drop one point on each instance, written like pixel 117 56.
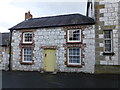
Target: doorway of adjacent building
pixel 49 60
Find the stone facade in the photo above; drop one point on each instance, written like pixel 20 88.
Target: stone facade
pixel 107 18
pixel 4 58
pixel 4 51
pixel 48 37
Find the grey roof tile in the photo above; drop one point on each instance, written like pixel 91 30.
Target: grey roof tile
pixel 54 21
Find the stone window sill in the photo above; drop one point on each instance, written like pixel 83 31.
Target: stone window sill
pixel 78 66
pixel 111 53
pixel 27 63
pixel 74 66
pixel 74 42
pixel 26 43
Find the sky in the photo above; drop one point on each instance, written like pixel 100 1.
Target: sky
pixel 12 12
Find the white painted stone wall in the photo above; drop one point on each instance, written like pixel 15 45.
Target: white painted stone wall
pixel 89 49
pixel 4 58
pixel 15 59
pixel 110 18
pixel 54 37
pixel 50 37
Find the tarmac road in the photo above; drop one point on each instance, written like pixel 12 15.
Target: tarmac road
pixel 17 79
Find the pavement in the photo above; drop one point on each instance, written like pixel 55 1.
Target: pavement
pixel 18 79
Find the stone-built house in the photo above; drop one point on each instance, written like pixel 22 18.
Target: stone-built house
pixel 64 43
pixel 4 51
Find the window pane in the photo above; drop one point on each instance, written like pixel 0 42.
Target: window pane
pixel 74 59
pixel 28 37
pixel 108 40
pixel 107 34
pixel 70 59
pixel 74 55
pixel 27 54
pixel 108 45
pixel 108 49
pixel 70 51
pixel 74 35
pixel 76 31
pixel 74 52
pixel 78 51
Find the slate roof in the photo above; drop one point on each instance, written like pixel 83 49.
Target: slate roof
pixel 4 39
pixel 54 21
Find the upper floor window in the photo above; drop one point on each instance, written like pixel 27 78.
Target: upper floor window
pixel 108 41
pixel 27 37
pixel 74 35
pixel 74 56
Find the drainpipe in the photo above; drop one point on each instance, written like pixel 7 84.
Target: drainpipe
pixel 10 51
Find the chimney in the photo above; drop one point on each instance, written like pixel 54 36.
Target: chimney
pixel 28 15
pixel 90 9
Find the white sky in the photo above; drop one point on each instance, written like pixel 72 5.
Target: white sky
pixel 12 11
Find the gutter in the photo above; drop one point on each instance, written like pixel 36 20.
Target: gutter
pixel 92 23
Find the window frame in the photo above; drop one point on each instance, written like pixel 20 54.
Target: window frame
pixel 75 64
pixel 23 61
pixel 24 37
pixel 111 39
pixel 72 41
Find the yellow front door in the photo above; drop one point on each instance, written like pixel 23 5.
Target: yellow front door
pixel 49 60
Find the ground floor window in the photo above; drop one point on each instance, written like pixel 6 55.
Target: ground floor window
pixel 74 56
pixel 27 54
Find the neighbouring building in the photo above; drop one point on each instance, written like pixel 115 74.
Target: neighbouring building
pixel 4 51
pixel 107 36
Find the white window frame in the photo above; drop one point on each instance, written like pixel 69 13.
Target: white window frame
pixel 23 56
pixel 68 57
pixel 111 34
pixel 73 40
pixel 24 37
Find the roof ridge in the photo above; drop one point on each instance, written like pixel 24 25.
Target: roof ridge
pixel 58 16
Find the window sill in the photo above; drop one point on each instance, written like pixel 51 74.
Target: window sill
pixel 110 53
pixel 74 66
pixel 26 43
pixel 74 42
pixel 27 63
